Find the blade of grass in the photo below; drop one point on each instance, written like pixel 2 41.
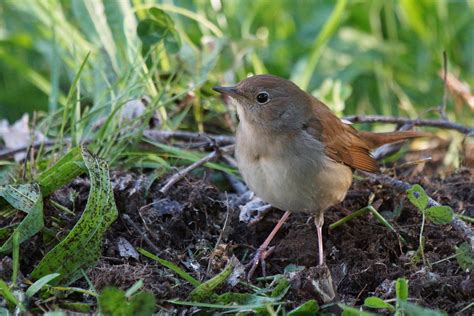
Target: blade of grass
pixel 28 199
pixel 206 289
pixel 240 308
pixel 16 256
pixel 134 288
pixel 180 272
pixel 381 219
pixel 187 13
pixel 321 40
pixel 7 294
pixel 190 156
pixel 96 11
pixel 349 217
pixel 39 284
pixel 74 289
pixel 465 218
pixel 73 89
pixel 55 72
pixel 66 169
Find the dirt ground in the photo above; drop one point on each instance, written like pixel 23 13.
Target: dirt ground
pixel 364 257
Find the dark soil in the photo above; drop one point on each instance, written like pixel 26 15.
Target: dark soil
pixel 364 257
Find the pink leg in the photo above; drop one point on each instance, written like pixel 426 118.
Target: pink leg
pixel 319 222
pixel 263 250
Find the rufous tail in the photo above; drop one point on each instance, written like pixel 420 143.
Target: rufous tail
pixel 375 140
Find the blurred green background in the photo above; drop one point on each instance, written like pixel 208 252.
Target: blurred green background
pixel 366 57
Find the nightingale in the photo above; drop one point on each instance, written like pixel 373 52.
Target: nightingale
pixel 294 153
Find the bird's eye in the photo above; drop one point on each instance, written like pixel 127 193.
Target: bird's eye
pixel 263 97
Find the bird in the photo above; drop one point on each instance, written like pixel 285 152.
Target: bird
pixel 294 153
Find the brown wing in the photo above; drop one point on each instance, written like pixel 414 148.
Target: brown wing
pixel 343 143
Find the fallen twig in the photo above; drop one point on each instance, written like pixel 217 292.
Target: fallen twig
pixel 402 186
pixel 140 232
pixel 157 135
pixel 183 172
pixel 405 120
pixel 221 236
pixel 222 140
pixel 8 152
pixel 460 90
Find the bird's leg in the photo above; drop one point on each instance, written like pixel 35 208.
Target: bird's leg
pixel 263 251
pixel 319 222
pixel 322 284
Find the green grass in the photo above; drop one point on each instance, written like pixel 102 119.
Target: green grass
pixel 387 53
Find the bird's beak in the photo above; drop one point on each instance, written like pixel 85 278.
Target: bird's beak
pixel 230 91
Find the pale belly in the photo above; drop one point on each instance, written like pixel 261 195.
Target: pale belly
pixel 292 181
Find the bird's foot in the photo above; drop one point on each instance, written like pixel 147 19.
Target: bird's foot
pixel 264 250
pixel 316 281
pixel 323 285
pixel 262 253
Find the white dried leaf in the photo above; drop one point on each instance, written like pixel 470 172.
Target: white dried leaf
pixel 126 250
pixel 18 135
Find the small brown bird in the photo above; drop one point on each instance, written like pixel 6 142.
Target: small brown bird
pixel 294 153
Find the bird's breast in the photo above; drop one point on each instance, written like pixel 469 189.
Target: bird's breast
pixel 291 172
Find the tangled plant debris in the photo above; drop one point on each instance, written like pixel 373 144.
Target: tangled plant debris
pixel 186 227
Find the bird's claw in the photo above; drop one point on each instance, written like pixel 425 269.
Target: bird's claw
pixel 260 256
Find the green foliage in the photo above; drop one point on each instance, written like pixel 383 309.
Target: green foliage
pixel 134 288
pixel 375 302
pixel 418 197
pixel 464 256
pixel 401 289
pixel 416 310
pixel 55 313
pixel 82 246
pixel 62 172
pixel 40 283
pixel 29 197
pixel 204 294
pixel 402 306
pixel 323 37
pixel 113 302
pixel 310 307
pixel 351 311
pixel 159 28
pixel 26 198
pixel 170 265
pixel 389 52
pixel 438 214
pixel 206 289
pixel 8 295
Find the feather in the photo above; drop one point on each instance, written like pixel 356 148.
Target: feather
pixel 345 144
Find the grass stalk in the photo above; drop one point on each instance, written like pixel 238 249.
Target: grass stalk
pixel 349 217
pixel 321 40
pixel 16 256
pixel 421 238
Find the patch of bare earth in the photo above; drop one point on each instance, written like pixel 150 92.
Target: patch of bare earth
pixel 184 226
